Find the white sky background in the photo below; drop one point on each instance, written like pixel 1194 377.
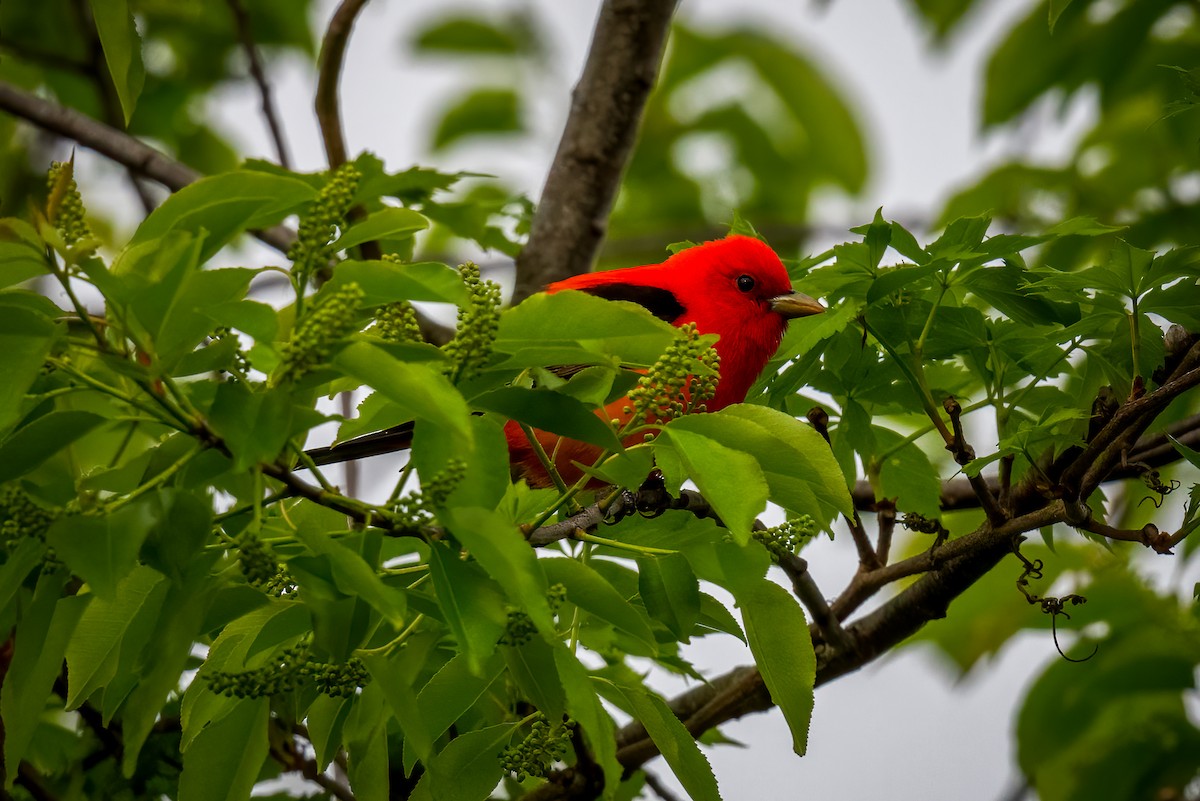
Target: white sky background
pixel 899 729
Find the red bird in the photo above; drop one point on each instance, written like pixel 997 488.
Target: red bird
pixel 734 287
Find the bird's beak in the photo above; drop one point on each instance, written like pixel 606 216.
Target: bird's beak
pixel 795 304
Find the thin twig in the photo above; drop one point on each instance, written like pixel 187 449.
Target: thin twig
pixel 116 145
pixel 964 454
pixel 241 21
pixel 330 61
pixel 742 691
pixel 806 589
pixel 1148 535
pixel 606 107
pixel 818 418
pixel 885 516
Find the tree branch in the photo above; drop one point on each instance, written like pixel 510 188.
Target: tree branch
pixel 741 691
pixel 606 108
pixel 330 61
pixel 116 145
pixel 242 22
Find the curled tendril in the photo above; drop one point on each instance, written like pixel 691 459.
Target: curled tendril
pixel 1154 483
pixel 1049 605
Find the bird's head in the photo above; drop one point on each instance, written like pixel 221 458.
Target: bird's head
pixel 735 287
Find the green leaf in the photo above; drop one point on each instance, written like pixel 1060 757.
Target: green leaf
pixel 326 721
pixel 731 480
pixel 1055 10
pixel 778 637
pixel 221 205
pixel 588 590
pixel 102 550
pixel 425 394
pixel 599 332
pixel 22 252
pixel 471 603
pixel 248 316
pixel 907 474
pixel 353 576
pixel 385 281
pixel 23 557
pixel 224 760
pixel 532 668
pixel 43 438
pixel 585 708
pixel 41 641
pixel 504 554
pixel 550 411
pixel 122 50
pixel 387 223
pixel 452 691
pixel 671 592
pixel 255 426
pixel 808 458
pixel 25 339
pixel 165 660
pixel 403 701
pixel 487 111
pixel 93 654
pixel 367 746
pixel 472 36
pixel 468 769
pixel 675 743
pixel 894 279
pixel 796 464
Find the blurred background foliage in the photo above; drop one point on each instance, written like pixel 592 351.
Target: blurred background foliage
pixel 744 120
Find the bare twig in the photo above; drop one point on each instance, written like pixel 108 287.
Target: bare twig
pixel 330 61
pixel 606 108
pixel 964 454
pixel 885 515
pixel 867 558
pixel 806 589
pixel 116 145
pixel 1153 450
pixel 742 691
pixel 241 21
pixel 1148 535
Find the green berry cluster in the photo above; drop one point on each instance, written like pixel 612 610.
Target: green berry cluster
pixel 256 559
pixel 64 208
pixel 21 516
pixel 320 221
pixel 520 628
pixel 682 380
pixel 397 322
pixel 415 511
pixel 478 323
pixel 437 489
pixel 241 364
pixel 289 671
pixel 314 337
pixel 788 537
pixel 536 755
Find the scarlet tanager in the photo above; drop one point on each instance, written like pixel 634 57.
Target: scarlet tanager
pixel 734 287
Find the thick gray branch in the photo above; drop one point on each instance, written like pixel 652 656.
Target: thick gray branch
pixel 606 108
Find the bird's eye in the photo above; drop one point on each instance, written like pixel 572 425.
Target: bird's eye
pixel 745 283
